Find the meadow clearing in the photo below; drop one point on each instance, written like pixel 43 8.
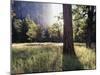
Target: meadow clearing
pixel 48 57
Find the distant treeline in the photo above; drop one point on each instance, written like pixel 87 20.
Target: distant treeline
pixel 27 30
pixel 84 27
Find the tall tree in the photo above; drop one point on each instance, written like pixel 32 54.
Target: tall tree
pixel 90 25
pixel 68 47
pixel 14 32
pixel 17 30
pixel 84 23
pixel 32 30
pixel 55 31
pixel 79 23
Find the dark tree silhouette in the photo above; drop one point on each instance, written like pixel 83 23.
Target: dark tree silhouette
pixel 14 32
pixel 90 22
pixel 68 47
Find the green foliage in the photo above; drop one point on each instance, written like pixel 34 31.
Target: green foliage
pixel 18 25
pixel 79 23
pixel 32 29
pixel 26 30
pixel 53 30
pixel 56 31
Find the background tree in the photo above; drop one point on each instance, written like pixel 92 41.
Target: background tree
pixel 79 23
pixel 91 25
pixel 13 17
pixel 46 35
pixel 17 30
pixel 32 30
pixel 24 31
pixel 84 24
pixel 39 33
pixel 55 32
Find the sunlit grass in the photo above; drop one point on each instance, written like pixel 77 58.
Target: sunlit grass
pixel 85 59
pixel 28 58
pixel 36 59
pixel 86 56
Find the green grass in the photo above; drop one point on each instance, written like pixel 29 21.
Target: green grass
pixel 28 58
pixel 36 59
pixel 85 59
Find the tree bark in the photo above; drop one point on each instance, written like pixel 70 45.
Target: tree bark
pixel 68 47
pixel 89 26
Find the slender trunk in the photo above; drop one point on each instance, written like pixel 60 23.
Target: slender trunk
pixel 89 26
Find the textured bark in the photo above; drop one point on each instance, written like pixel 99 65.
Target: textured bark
pixel 68 47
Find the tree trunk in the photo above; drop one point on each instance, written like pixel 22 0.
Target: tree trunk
pixel 68 47
pixel 89 26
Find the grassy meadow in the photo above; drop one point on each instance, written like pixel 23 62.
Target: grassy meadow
pixel 47 57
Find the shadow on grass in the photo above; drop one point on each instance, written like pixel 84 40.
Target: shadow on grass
pixel 71 63
pixel 21 54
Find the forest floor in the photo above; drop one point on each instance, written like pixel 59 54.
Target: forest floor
pixel 48 57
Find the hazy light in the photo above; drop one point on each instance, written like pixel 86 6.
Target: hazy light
pixel 56 10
